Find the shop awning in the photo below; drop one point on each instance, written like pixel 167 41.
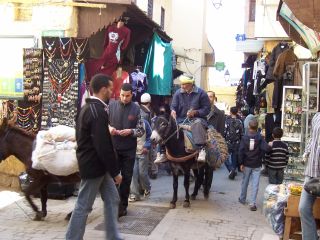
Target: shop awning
pixel 307 11
pixel 297 31
pixel 249 46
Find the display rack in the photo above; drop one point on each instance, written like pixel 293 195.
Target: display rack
pixel 291 113
pixel 292 130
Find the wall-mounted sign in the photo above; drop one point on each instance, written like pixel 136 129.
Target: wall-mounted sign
pixel 220 66
pixel 241 37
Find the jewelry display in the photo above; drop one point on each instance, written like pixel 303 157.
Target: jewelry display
pixel 32 74
pixel 60 93
pixel 65 49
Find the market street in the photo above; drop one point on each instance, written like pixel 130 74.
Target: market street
pixel 221 217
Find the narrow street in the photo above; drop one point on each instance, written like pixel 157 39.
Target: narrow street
pixel 221 217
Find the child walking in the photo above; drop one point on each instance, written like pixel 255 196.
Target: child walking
pixel 251 151
pixel 277 157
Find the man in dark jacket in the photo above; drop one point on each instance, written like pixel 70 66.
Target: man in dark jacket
pixel 126 125
pixel 191 104
pixel 204 175
pixel 97 161
pixel 251 151
pixel 233 134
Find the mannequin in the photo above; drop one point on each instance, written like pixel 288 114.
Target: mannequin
pixel 116 41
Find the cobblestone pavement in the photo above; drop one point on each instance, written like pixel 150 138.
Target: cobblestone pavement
pixel 219 218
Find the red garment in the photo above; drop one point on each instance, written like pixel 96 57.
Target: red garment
pixel 117 83
pixel 116 40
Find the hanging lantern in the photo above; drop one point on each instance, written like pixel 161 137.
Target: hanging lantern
pixel 217 3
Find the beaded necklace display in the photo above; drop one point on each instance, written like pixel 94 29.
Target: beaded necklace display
pixel 50 55
pixel 50 45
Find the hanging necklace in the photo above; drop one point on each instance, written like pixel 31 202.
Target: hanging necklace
pixel 50 45
pixel 50 55
pixel 59 71
pixel 79 49
pixel 68 53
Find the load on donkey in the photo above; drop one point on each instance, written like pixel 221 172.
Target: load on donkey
pixel 17 142
pixel 190 106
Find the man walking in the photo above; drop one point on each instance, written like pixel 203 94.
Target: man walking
pixel 98 165
pixel 191 103
pixel 233 135
pixel 126 125
pixel 147 114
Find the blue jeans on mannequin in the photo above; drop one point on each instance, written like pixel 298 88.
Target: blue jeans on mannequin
pixel 254 173
pixel 308 223
pixel 88 191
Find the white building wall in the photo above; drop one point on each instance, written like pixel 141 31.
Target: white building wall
pixel 266 25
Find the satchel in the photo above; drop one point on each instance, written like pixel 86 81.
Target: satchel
pixel 313 187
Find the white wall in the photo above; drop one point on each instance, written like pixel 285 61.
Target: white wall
pixel 44 18
pixel 266 25
pixel 188 31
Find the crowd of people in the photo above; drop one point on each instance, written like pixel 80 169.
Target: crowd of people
pixel 117 159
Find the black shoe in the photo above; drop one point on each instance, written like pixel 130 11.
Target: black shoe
pixel 193 196
pixel 253 208
pixel 153 176
pixel 206 194
pixel 232 174
pixel 122 212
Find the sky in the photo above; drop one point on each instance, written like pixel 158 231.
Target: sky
pixel 223 25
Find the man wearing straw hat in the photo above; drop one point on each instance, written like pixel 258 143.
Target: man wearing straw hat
pixel 191 105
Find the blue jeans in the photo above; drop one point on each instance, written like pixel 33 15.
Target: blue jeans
pixel 232 162
pixel 308 223
pixel 140 178
pixel 254 173
pixel 88 191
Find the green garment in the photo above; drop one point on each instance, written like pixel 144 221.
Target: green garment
pixel 158 67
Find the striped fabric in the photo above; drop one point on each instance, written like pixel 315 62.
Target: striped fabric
pixel 313 149
pixel 277 157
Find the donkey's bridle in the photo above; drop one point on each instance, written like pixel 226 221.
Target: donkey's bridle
pixel 2 141
pixel 167 132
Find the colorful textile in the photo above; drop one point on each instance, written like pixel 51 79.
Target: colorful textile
pixel 158 67
pixel 119 77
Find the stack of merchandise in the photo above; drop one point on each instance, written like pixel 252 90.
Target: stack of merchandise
pixel 275 200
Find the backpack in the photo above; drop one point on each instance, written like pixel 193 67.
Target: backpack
pixel 233 130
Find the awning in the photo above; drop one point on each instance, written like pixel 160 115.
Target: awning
pixel 249 46
pixel 297 31
pixel 307 11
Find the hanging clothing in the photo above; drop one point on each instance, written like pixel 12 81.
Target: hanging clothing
pixel 139 84
pixel 283 73
pixel 141 51
pixel 158 67
pixel 277 50
pixel 269 94
pixel 259 70
pixel 116 40
pixel 119 78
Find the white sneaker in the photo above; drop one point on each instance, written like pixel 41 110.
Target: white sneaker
pixel 161 158
pixel 202 155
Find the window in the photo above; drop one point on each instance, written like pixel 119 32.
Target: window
pixel 150 8
pixel 163 13
pixel 252 10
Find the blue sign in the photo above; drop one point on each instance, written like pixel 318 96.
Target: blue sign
pixel 241 37
pixel 18 85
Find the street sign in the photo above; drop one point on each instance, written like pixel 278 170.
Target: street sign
pixel 220 66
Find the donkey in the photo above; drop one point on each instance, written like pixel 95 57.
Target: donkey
pixel 166 132
pixel 15 141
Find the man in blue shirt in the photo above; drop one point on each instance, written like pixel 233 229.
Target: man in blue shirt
pixel 191 104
